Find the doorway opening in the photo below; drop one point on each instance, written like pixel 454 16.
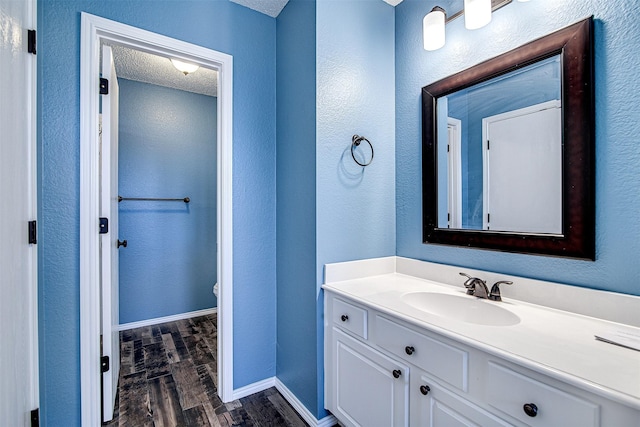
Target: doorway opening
pixel 96 33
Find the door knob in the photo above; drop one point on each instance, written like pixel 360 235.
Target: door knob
pixel 396 373
pixel 123 243
pixel 425 389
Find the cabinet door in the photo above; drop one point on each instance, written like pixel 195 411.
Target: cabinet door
pixel 369 389
pixel 435 406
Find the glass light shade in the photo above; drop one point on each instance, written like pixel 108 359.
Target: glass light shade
pixel 185 67
pixel 433 29
pixel 477 13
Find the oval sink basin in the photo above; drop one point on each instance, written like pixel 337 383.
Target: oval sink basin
pixel 462 308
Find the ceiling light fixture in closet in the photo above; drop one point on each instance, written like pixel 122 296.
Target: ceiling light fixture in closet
pixel 184 67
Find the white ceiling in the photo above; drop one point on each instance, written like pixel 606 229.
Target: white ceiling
pixel 268 7
pixel 274 7
pixel 149 68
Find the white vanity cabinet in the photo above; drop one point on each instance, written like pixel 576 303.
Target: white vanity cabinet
pixel 433 405
pixel 381 370
pixel 368 387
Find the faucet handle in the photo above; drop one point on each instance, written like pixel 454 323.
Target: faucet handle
pixel 469 283
pixel 494 295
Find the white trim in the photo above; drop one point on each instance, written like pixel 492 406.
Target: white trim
pixel 32 87
pixel 455 172
pixel 93 31
pixel 254 388
pixel 302 410
pixel 165 319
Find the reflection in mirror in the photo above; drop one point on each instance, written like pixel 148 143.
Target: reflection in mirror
pixel 500 152
pixel 508 150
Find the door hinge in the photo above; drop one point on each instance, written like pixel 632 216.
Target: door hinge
pixel 31 41
pixel 104 364
pixel 104 225
pixel 104 86
pixel 35 418
pixel 33 233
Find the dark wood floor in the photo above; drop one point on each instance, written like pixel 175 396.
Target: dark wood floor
pixel 168 378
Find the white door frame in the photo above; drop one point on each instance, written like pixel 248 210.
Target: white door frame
pixel 454 135
pixel 95 30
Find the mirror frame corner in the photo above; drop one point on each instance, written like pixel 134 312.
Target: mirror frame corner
pixel 575 46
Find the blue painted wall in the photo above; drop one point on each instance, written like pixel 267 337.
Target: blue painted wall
pixel 167 148
pixel 355 89
pixel 335 78
pixel 617 38
pixel 296 201
pixel 221 25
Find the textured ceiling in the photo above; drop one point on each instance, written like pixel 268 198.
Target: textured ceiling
pixel 268 7
pixel 148 68
pixel 274 7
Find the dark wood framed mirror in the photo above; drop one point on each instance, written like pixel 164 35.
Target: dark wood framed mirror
pixel 571 49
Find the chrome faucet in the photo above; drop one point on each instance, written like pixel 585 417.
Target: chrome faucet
pixel 476 286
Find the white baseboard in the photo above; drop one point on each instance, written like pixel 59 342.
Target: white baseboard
pixel 327 421
pixel 257 387
pixel 157 320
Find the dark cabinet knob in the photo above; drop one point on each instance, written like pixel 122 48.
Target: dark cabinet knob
pixel 344 317
pixel 396 373
pixel 409 350
pixel 123 243
pixel 530 409
pixel 425 389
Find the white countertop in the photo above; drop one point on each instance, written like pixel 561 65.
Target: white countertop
pixel 556 343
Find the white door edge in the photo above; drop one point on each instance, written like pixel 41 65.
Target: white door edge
pixel 93 31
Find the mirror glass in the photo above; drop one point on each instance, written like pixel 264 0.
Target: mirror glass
pixel 508 150
pixel 500 153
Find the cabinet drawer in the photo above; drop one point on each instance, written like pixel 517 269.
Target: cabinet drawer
pixel 349 317
pixel 510 391
pixel 441 360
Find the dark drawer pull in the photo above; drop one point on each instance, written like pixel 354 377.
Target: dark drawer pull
pixel 530 409
pixel 409 350
pixel 344 317
pixel 396 373
pixel 425 389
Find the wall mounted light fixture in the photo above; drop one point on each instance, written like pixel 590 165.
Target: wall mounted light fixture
pixel 433 29
pixel 477 14
pixel 184 67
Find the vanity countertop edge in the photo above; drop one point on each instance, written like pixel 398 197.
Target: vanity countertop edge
pixel 569 353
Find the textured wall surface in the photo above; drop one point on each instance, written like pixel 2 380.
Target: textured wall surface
pixel 167 148
pixel 296 355
pixel 355 95
pixel 617 38
pixel 220 25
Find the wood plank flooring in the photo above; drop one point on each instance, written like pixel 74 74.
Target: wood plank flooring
pixel 168 378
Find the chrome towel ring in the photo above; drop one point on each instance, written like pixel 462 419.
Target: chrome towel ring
pixel 356 140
